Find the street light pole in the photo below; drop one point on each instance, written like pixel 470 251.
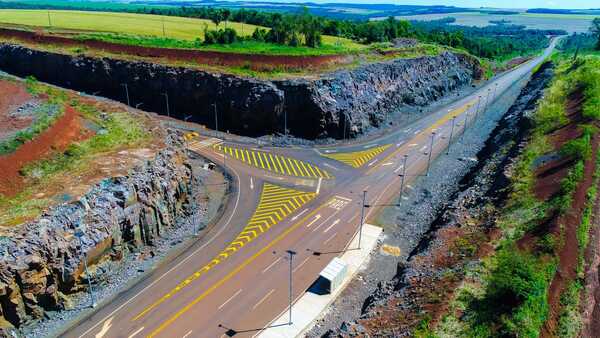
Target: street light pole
pixel 126 92
pixel 403 176
pixel 451 134
pixel 216 117
pixel 291 253
pixel 362 218
pixel 79 234
pixel 430 152
pixel 166 95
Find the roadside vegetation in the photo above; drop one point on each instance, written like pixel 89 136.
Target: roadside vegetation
pixel 110 131
pixel 508 294
pixel 252 31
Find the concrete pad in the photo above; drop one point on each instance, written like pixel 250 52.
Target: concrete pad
pixel 310 307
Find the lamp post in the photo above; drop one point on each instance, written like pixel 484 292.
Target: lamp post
pixel 166 95
pixel 451 135
pixel 403 177
pixel 362 217
pixel 79 234
pixel 216 118
pixel 291 253
pixel 126 92
pixel 430 152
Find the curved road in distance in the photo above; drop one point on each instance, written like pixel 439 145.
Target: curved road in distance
pixel 234 280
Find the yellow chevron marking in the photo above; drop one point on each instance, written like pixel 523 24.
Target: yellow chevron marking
pixel 275 204
pixel 275 163
pixel 358 158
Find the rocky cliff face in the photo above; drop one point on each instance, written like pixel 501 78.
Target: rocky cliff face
pixel 314 108
pixel 43 260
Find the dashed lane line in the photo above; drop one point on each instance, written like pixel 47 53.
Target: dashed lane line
pixel 275 204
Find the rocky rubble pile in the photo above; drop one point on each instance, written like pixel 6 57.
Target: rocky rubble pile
pixel 42 261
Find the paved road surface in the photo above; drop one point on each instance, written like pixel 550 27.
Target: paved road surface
pixel 234 280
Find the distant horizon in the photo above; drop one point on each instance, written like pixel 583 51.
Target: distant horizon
pixel 550 4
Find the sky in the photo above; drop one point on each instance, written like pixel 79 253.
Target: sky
pixel 570 4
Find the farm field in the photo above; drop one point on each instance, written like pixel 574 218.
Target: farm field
pixel 147 30
pixel 128 23
pixel 570 23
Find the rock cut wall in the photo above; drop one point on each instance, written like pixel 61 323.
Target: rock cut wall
pixel 314 107
pixel 43 260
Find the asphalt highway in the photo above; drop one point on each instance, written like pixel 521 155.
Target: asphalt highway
pixel 234 280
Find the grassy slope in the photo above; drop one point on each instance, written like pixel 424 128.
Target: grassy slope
pixel 507 294
pixel 122 130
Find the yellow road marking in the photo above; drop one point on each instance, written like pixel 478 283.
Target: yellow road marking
pixel 274 205
pixel 437 124
pixel 273 162
pixel 357 159
pixel 231 274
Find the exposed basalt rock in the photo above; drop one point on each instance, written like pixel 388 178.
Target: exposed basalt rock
pixel 43 259
pixel 314 108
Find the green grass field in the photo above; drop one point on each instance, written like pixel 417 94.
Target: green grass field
pixel 147 30
pixel 128 23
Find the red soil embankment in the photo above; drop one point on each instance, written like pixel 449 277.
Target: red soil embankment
pixel 12 95
pixel 566 226
pixel 254 61
pixel 57 137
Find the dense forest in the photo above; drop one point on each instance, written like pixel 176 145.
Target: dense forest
pixel 499 41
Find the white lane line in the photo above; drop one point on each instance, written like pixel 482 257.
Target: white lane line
pixel 230 298
pixel 271 265
pixel 353 217
pixel 343 198
pixel 398 169
pixel 330 238
pixel 319 185
pixel 314 220
pixel 330 166
pixel 423 149
pixel 300 265
pixel 369 145
pixel 332 225
pixel 105 327
pixel 251 183
pixel 389 163
pixel 413 145
pixel 300 214
pixel 187 334
pixel 416 132
pixel 399 144
pixel 374 161
pixel 136 332
pixel 263 299
pixel 326 220
pixel 110 315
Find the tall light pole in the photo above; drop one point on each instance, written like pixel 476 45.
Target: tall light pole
pixel 403 177
pixel 430 152
pixel 451 135
pixel 291 253
pixel 126 92
pixel 495 92
pixel 216 118
pixel 362 217
pixel 79 234
pixel 166 95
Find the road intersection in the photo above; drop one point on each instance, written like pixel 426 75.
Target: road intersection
pixel 233 280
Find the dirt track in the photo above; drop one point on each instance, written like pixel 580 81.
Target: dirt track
pixel 13 95
pixel 253 61
pixel 56 138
